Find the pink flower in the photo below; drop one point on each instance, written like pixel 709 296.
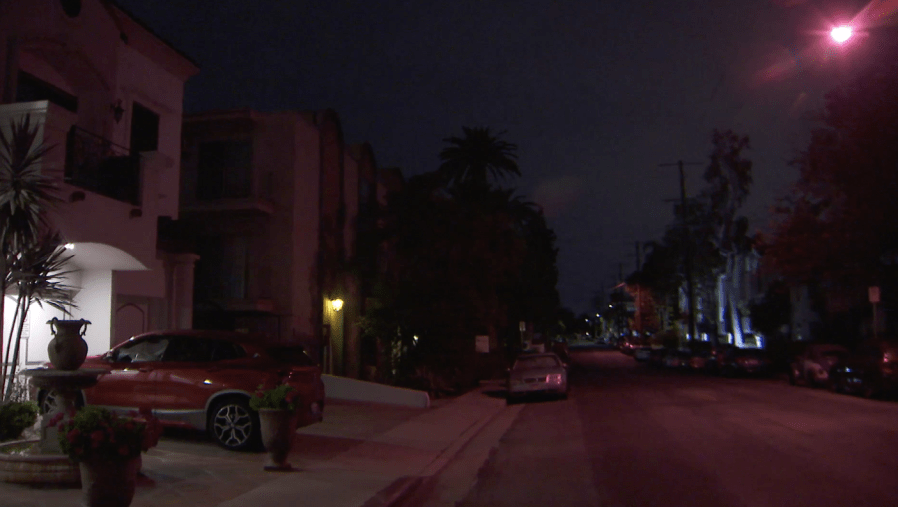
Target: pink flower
pixel 97 438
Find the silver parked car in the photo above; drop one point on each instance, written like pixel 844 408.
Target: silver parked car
pixel 813 365
pixel 533 374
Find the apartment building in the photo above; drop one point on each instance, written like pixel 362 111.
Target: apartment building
pixel 274 205
pixel 108 94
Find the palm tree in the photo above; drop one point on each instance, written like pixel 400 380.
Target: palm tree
pixel 471 160
pixel 30 256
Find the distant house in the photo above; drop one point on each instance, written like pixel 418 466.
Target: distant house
pixel 109 95
pixel 276 206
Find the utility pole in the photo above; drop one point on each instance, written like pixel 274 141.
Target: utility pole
pixel 687 245
pixel 638 315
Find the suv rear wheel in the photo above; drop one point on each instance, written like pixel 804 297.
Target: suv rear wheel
pixel 234 426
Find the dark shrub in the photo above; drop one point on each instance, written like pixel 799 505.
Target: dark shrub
pixel 15 416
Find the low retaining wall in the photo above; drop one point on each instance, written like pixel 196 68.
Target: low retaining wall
pixel 342 388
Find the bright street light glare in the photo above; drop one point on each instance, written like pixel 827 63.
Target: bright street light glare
pixel 841 34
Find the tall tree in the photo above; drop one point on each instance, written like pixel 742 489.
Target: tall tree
pixel 729 180
pixel 465 257
pixel 470 161
pixel 837 224
pixel 716 232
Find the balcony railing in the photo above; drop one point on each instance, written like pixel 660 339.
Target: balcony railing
pixel 97 164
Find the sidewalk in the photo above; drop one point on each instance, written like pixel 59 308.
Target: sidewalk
pixel 362 454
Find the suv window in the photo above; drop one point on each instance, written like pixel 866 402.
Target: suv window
pixel 183 349
pixel 201 350
pixel 141 351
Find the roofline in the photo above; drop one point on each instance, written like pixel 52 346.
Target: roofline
pixel 146 27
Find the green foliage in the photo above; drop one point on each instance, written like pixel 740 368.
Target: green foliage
pixel 281 397
pixel 837 224
pixel 772 312
pixel 31 255
pixel 15 417
pixel 94 433
pixel 25 191
pixel 706 229
pixel 465 259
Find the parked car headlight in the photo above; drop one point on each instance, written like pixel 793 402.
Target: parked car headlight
pixel 554 378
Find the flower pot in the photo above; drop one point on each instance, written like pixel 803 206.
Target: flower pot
pixel 108 482
pixel 67 349
pixel 278 429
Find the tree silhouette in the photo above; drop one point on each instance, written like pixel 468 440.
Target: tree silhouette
pixel 472 160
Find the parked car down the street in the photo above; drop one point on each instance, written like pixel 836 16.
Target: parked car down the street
pixel 676 359
pixel 812 366
pixel 656 356
pixel 537 374
pixel 869 371
pixel 200 380
pixel 703 361
pixel 733 361
pixel 642 352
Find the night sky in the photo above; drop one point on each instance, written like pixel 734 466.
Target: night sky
pixel 596 94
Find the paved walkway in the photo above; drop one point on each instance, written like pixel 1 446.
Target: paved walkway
pixel 362 454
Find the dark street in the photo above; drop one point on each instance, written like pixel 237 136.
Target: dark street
pixel 630 435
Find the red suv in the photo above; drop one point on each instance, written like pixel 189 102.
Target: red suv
pixel 201 380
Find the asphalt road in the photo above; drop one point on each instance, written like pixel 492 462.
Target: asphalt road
pixel 630 435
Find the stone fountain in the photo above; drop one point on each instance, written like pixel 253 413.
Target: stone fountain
pixel 43 462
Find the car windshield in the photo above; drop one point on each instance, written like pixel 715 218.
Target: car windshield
pixel 527 363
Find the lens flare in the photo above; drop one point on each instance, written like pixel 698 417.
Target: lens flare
pixel 841 34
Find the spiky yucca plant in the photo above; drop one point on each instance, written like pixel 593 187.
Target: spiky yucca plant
pixel 31 255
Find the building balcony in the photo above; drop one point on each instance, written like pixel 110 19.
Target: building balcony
pixel 89 161
pixel 97 164
pixel 232 205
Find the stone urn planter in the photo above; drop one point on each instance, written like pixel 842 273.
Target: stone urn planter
pixel 67 349
pixel 108 482
pixel 278 429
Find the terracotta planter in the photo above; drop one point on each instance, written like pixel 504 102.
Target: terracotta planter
pixel 67 349
pixel 108 483
pixel 278 429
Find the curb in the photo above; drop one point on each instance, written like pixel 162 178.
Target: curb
pixel 396 492
pixel 408 487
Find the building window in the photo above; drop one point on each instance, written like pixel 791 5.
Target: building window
pixel 31 89
pixel 222 270
pixel 224 170
pixel 144 129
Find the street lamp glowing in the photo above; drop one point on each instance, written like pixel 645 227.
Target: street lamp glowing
pixel 841 34
pixel 337 304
